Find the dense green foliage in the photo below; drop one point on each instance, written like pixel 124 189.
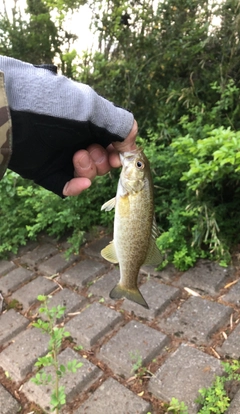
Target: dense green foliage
pixel 28 209
pixel 177 68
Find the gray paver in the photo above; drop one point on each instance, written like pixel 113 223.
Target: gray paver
pixel 234 407
pixel 233 295
pixel 94 249
pixel 157 295
pixel 92 324
pixel 11 324
pixel 57 264
pixel 8 404
pixel 82 273
pixel 231 346
pixel 113 398
pixel 74 383
pixel 105 284
pixel 70 300
pixel 19 358
pixel 183 374
pixel 6 266
pixel 168 274
pixel 27 295
pixel 29 246
pixel 12 280
pixel 42 252
pixel 132 341
pixel 197 319
pixel 205 277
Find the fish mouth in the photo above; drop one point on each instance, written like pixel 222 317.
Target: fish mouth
pixel 129 154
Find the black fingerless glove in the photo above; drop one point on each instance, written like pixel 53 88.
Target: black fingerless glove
pixel 43 147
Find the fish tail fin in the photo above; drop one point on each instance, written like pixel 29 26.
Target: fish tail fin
pixel 134 295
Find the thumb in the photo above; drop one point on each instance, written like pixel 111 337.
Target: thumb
pixel 63 184
pixel 129 143
pixel 75 186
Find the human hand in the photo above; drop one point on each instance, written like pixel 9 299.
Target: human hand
pixel 96 160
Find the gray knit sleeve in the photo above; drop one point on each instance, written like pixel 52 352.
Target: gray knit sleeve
pixel 40 91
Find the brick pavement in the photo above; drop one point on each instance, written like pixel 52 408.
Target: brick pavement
pixel 180 340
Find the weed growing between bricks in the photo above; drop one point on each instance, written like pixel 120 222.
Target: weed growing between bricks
pixel 57 335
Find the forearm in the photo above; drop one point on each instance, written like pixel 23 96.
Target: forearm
pixel 41 92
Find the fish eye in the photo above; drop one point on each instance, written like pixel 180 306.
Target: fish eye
pixel 140 165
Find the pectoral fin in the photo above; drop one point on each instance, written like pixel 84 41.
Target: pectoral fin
pixel 154 257
pixel 109 205
pixel 109 253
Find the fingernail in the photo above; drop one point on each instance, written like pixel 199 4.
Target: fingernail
pixel 84 161
pixel 65 189
pixel 97 155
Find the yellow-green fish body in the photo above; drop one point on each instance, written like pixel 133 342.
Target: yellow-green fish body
pixel 134 225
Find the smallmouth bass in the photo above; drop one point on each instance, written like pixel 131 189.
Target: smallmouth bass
pixel 135 228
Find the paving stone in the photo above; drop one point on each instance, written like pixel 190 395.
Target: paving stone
pixel 234 407
pixel 6 266
pixel 14 279
pixel 70 300
pixel 183 374
pixel 233 295
pixel 168 274
pixel 197 319
pixel 11 324
pixel 231 346
pixel 94 249
pixel 105 284
pixel 27 295
pixel 94 233
pixel 74 383
pixel 19 358
pixel 205 277
pixel 92 324
pixel 113 398
pixel 8 404
pixel 157 295
pixel 83 273
pixel 40 253
pixel 29 246
pixel 46 238
pixel 132 342
pixel 57 264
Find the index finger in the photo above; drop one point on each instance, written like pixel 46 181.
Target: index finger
pixel 129 144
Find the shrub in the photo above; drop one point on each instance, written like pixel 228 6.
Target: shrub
pixel 27 209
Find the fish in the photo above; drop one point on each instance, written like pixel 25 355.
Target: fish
pixel 135 229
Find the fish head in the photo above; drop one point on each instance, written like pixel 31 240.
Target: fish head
pixel 135 170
